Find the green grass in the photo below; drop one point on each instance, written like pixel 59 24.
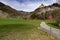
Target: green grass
pixel 52 24
pixel 20 29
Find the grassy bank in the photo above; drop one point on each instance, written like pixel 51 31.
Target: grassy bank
pixel 52 24
pixel 20 29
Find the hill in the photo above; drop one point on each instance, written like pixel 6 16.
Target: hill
pixel 45 11
pixel 8 12
pixel 42 12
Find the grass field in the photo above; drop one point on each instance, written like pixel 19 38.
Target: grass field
pixel 20 29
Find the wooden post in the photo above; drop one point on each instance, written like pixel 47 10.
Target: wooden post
pixel 50 18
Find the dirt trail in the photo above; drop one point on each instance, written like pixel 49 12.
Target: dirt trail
pixel 53 31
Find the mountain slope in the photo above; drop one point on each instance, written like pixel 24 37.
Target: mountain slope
pixel 40 13
pixel 45 11
pixel 7 11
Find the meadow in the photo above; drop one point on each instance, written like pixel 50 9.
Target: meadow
pixel 20 29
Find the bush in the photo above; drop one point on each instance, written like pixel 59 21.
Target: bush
pixel 34 16
pixel 56 14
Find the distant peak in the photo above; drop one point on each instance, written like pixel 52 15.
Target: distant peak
pixel 42 6
pixel 1 4
pixel 56 4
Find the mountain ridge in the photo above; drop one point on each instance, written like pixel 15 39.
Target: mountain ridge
pixel 8 12
pixel 45 11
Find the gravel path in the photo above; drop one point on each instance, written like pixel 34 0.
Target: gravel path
pixel 53 31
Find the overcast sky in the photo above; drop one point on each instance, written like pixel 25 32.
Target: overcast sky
pixel 26 5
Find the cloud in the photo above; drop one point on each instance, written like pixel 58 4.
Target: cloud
pixel 58 1
pixel 21 6
pixel 26 5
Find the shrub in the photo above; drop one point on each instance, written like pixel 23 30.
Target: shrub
pixel 34 16
pixel 56 14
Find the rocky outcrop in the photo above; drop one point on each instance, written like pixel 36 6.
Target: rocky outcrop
pixel 44 11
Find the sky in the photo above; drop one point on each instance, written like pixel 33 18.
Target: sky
pixel 26 5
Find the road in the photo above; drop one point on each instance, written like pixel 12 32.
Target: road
pixel 53 31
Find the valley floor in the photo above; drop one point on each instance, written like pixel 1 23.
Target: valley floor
pixel 20 29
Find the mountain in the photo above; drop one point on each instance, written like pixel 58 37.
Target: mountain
pixel 43 8
pixel 42 12
pixel 55 4
pixel 8 12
